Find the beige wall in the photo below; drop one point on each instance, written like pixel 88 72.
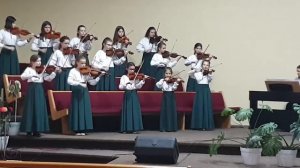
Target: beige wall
pixel 254 39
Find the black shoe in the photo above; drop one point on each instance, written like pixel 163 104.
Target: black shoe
pixel 29 134
pixel 36 134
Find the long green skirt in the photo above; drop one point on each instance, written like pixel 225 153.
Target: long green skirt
pixel 80 113
pixel 120 70
pixel 46 56
pixel 159 74
pixel 35 115
pixel 131 117
pixel 61 83
pixel 168 113
pixel 202 115
pixel 147 69
pixel 191 85
pixel 107 82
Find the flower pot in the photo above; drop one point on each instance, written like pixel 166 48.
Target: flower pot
pixel 286 158
pixel 3 142
pixel 14 128
pixel 251 156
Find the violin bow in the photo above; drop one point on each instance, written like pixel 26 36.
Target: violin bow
pixel 174 45
pixel 88 31
pixel 179 73
pixel 138 70
pixel 206 48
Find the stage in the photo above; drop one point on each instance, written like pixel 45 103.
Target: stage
pixel 118 148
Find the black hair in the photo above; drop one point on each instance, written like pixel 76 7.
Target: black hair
pixel 78 58
pixel 170 69
pixel 44 24
pixel 62 39
pixel 298 67
pixel 160 45
pixel 78 28
pixel 107 39
pixel 34 58
pixel 205 61
pixel 148 31
pixel 116 36
pixel 9 21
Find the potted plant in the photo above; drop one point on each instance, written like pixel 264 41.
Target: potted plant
pixel 259 140
pixel 287 155
pixel 4 119
pixel 14 89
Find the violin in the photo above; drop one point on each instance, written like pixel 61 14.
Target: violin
pixel 52 35
pixel 156 39
pixel 124 40
pixel 139 76
pixel 167 54
pixel 201 56
pixel 206 72
pixel 70 51
pixel 88 37
pixel 87 70
pixel 172 80
pixel 120 52
pixel 110 52
pixel 49 69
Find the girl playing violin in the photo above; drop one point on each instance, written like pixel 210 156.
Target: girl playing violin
pixel 131 117
pixel 9 62
pixel 168 112
pixel 63 63
pixel 80 112
pixel 148 49
pixel 106 62
pixel 195 67
pixel 119 43
pixel 202 115
pixel 43 45
pixel 160 63
pixel 35 115
pixel 79 42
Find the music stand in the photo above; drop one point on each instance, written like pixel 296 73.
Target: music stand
pixel 282 85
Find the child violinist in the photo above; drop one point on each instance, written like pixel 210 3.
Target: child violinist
pixel 160 62
pixel 63 61
pixel 9 62
pixel 105 60
pixel 195 64
pixel 202 115
pixel 118 43
pixel 43 45
pixel 131 117
pixel 83 42
pixel 148 49
pixel 35 115
pixel 168 112
pixel 80 113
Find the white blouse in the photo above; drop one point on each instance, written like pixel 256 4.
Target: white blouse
pixel 159 61
pixel 195 64
pixel 83 47
pixel 6 38
pixel 76 78
pixel 43 43
pixel 164 86
pixel 145 45
pixel 202 79
pixel 58 59
pixel 126 84
pixel 31 75
pixel 101 61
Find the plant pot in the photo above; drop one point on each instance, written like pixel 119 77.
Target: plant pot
pixel 286 158
pixel 3 142
pixel 251 156
pixel 14 128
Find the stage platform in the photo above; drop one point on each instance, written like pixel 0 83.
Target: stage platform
pixel 114 147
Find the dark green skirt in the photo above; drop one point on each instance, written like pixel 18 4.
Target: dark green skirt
pixel 147 69
pixel 35 115
pixel 120 70
pixel 131 117
pixel 46 56
pixel 61 80
pixel 107 82
pixel 202 115
pixel 80 113
pixel 159 74
pixel 168 113
pixel 191 85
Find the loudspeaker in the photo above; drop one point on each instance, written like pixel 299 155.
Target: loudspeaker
pixel 156 150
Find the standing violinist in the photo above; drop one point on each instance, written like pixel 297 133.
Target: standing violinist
pixel 104 61
pixel 120 42
pixel 9 62
pixel 131 117
pixel 160 62
pixel 63 61
pixel 35 115
pixel 148 49
pixel 83 42
pixel 43 45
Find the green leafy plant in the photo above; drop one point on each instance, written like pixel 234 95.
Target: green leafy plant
pixel 262 137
